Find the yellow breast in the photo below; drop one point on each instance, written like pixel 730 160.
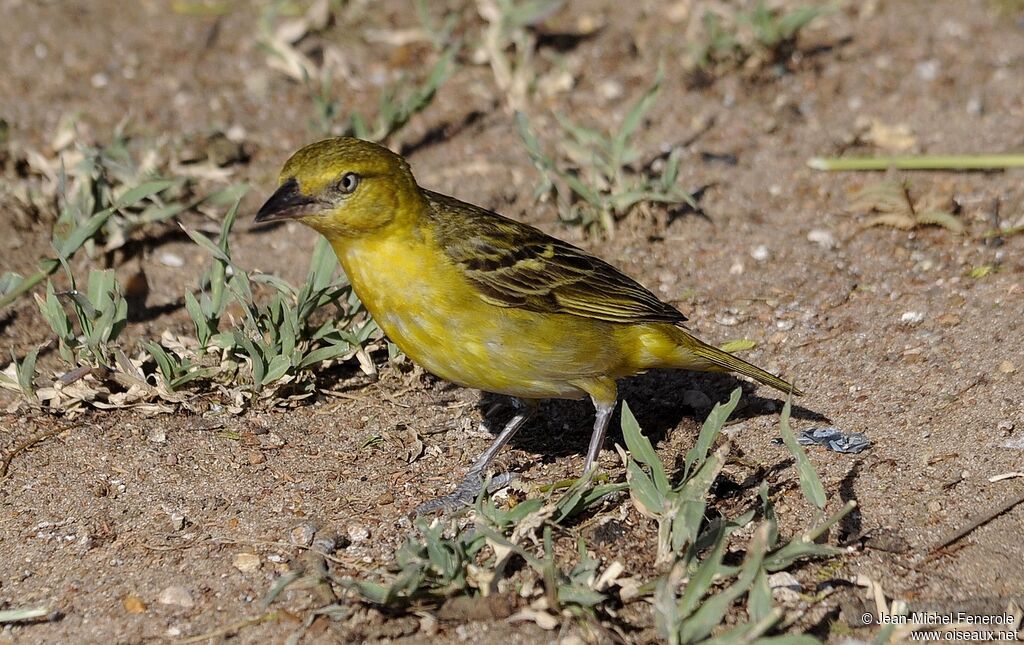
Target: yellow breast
pixel 430 310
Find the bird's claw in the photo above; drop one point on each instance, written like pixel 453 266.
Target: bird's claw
pixel 464 494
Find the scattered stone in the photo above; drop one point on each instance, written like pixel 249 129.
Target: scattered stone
pixel 928 70
pixel 271 440
pixel 172 260
pixel 177 596
pixel 736 268
pixel 133 604
pixel 760 253
pixel 1005 427
pixel 934 506
pixel 785 587
pixel 822 238
pixel 610 89
pixel 246 562
pixel 912 318
pixel 303 534
pixel 975 106
pixel 177 521
pixel 727 320
pixel 357 533
pixel 157 435
pixel 236 133
pixel 1006 367
pixel 256 457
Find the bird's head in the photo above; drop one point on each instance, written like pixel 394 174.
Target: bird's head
pixel 344 187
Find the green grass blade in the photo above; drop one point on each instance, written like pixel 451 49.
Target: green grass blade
pixel 810 484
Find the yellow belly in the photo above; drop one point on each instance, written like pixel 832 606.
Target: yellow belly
pixel 434 315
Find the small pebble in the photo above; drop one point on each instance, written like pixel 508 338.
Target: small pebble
pixel 271 440
pixel 736 268
pixel 1005 427
pixel 610 89
pixel 256 457
pixel 1006 367
pixel 357 533
pixel 822 238
pixel 760 253
pixel 133 604
pixel 928 70
pixel 157 435
pixel 934 506
pixel 727 320
pixel 785 587
pixel 303 534
pixel 177 596
pixel 246 562
pixel 236 133
pixel 177 521
pixel 912 317
pixel 172 260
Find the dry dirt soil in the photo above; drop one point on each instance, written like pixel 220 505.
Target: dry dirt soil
pixel 885 329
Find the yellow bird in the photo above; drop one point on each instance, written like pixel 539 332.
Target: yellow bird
pixel 482 300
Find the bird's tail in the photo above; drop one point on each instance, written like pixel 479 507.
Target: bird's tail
pixel 694 354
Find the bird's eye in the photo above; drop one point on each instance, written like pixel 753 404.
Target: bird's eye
pixel 348 182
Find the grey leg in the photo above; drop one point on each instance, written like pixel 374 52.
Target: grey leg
pixel 469 488
pixel 603 414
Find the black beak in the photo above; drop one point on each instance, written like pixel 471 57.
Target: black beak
pixel 287 202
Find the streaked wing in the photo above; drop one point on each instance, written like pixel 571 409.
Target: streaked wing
pixel 515 265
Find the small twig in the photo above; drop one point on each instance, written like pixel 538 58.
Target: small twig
pixel 352 564
pixel 977 521
pixel 25 445
pixel 19 615
pixel 812 341
pixel 233 628
pixel 998 478
pixel 978 380
pixel 921 162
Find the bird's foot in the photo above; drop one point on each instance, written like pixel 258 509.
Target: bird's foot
pixel 465 493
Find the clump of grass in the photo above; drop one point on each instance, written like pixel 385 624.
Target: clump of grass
pixel 272 352
pixel 751 38
pixel 100 315
pixel 104 195
pixel 397 103
pixel 508 44
pixel 400 101
pixel 896 207
pixel 599 179
pixel 694 594
pixel 279 341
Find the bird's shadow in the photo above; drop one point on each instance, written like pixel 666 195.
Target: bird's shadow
pixel 656 398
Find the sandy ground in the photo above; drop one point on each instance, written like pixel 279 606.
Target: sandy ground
pixel 885 329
